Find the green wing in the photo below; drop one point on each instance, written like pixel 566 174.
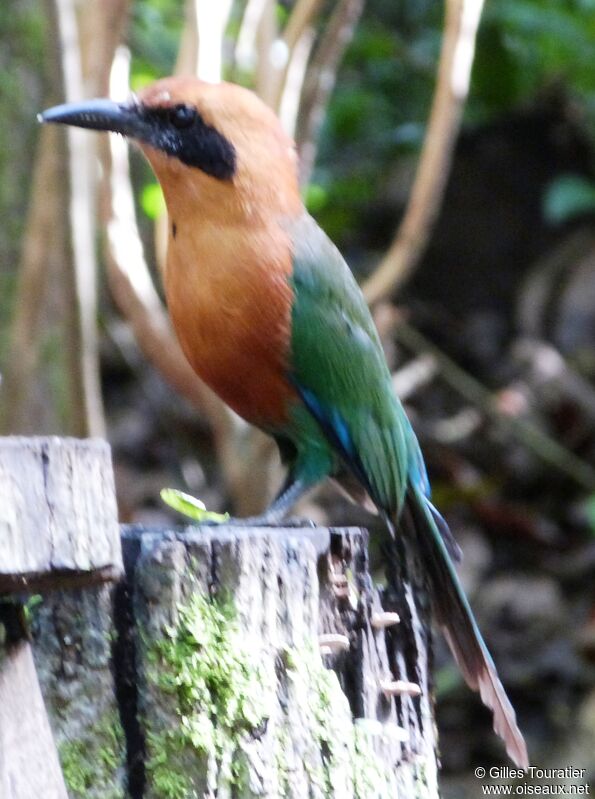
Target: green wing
pixel 340 371
pixel 339 368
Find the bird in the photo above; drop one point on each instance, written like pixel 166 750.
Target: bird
pixel 270 316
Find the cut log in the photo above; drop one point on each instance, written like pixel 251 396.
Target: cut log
pixel 237 696
pixel 73 633
pixel 58 517
pixel 29 766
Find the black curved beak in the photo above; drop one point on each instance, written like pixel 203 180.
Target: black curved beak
pixel 124 118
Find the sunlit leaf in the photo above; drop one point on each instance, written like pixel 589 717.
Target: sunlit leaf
pixel 152 200
pixel 141 78
pixel 190 506
pixel 316 197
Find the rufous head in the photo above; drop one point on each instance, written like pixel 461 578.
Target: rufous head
pixel 215 147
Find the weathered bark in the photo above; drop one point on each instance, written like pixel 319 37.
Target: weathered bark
pixel 205 674
pixel 58 516
pixel 73 632
pixel 28 762
pixel 231 617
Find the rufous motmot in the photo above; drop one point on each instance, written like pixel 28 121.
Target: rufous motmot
pixel 270 316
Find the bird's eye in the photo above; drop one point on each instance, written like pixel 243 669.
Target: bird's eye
pixel 182 116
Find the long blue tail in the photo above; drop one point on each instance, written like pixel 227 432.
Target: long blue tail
pixel 455 617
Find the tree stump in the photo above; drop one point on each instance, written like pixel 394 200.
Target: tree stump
pixel 58 529
pixel 73 635
pixel 230 662
pixel 266 666
pixel 58 517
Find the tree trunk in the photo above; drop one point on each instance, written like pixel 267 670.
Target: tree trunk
pixel 58 529
pixel 58 517
pixel 230 662
pixel 263 668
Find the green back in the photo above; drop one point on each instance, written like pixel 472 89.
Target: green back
pixel 339 367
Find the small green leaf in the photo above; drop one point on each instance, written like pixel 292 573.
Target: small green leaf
pixel 141 78
pixel 190 506
pixel 316 197
pixel 152 200
pixel 29 608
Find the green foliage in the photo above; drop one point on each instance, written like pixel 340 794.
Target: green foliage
pixel 30 607
pixel 205 664
pixel 315 197
pixel 344 749
pixel 379 109
pixel 22 29
pixel 152 200
pixel 370 775
pixel 155 34
pixel 525 45
pixel 324 688
pixel 190 506
pixel 167 782
pixel 90 763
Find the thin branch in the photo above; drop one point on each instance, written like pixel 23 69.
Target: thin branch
pixel 302 16
pixel 211 20
pixel 134 293
pixel 266 66
pixel 54 345
pixel 456 59
pixel 82 223
pixel 296 32
pixel 101 26
pixel 245 49
pixel 35 271
pixel 186 64
pixel 132 287
pixel 187 60
pixel 533 438
pixel 320 80
pixel 289 103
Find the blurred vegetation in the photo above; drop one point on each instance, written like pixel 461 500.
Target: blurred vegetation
pixel 516 235
pixel 22 30
pixel 378 111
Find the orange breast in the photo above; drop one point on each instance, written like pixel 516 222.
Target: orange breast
pixel 230 302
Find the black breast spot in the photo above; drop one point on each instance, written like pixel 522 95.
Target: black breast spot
pixel 174 230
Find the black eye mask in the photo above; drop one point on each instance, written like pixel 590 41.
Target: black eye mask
pixel 179 131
